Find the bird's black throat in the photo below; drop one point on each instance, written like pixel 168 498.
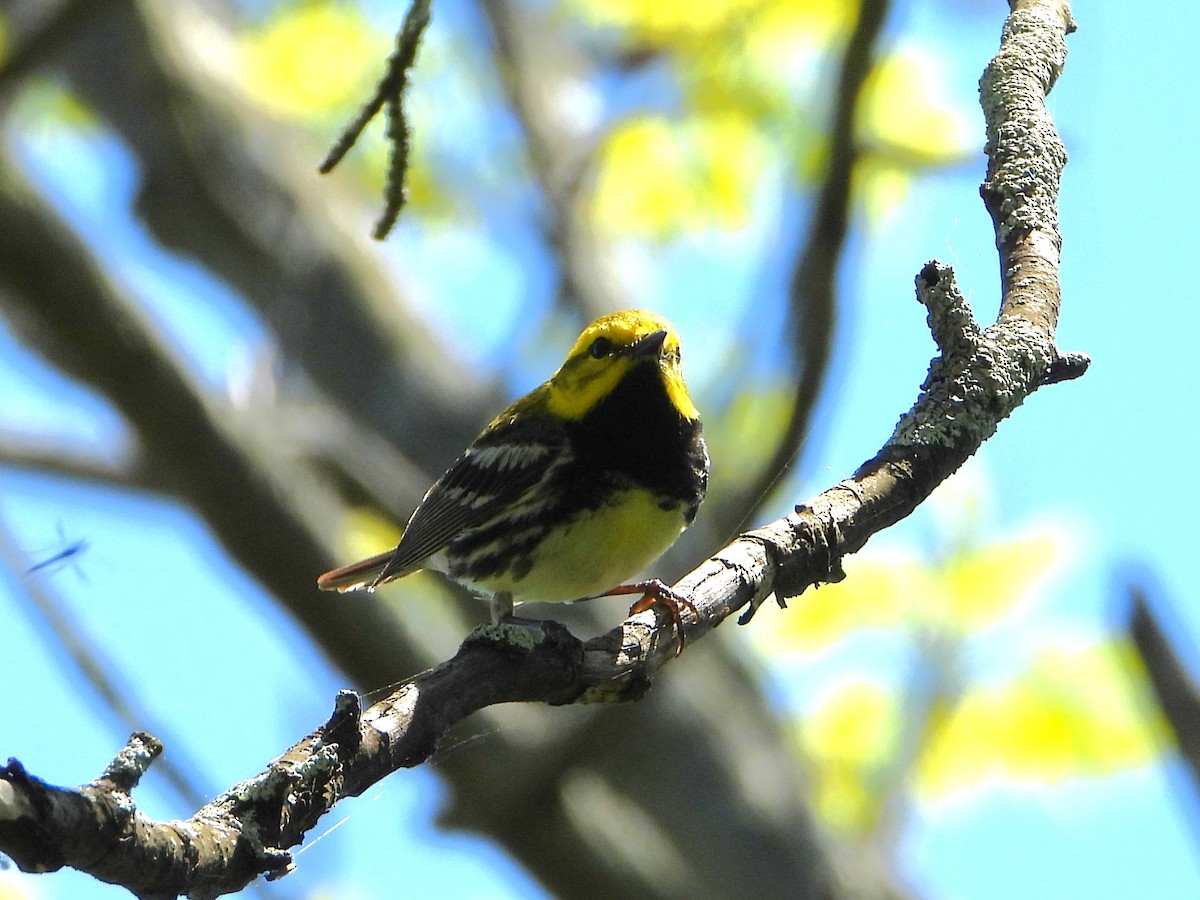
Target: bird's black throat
pixel 637 432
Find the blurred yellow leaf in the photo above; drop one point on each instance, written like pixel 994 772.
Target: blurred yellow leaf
pixel 748 57
pixel 974 589
pixel 684 24
pixel 313 60
pixel 16 886
pixel 880 186
pixel 903 106
pixel 782 28
pixel 45 104
pixel 365 533
pixel 657 178
pixel 877 593
pixel 1071 713
pixel 746 430
pixel 983 584
pixel 767 67
pixel 905 122
pixel 855 722
pixel 665 23
pixel 849 740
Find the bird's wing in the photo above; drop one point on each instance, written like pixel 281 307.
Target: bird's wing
pixel 510 458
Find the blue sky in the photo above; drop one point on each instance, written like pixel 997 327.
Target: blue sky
pixel 1104 458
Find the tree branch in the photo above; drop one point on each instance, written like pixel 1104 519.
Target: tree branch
pixel 979 377
pixel 1177 692
pixel 123 469
pixel 1026 157
pixel 247 829
pixel 41 32
pixel 390 92
pixel 59 300
pixel 203 191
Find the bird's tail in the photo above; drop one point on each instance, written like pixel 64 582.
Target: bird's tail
pixel 356 576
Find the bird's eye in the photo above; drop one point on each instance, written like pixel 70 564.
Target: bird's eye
pixel 600 348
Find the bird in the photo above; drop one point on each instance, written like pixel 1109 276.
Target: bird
pixel 571 490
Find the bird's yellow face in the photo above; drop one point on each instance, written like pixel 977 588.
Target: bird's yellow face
pixel 607 350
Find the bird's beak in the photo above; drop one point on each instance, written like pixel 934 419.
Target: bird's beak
pixel 647 346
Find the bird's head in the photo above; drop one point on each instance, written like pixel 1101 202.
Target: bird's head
pixel 607 351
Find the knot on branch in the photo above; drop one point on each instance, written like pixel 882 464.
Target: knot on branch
pixel 130 764
pixel 812 556
pixel 1066 367
pixel 949 317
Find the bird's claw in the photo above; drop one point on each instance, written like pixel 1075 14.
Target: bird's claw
pixel 655 593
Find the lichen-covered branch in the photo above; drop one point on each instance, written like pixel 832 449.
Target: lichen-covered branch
pixel 99 671
pixel 1026 157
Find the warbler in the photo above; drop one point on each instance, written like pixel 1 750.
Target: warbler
pixel 575 487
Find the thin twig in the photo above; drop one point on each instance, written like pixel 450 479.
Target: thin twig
pixel 390 91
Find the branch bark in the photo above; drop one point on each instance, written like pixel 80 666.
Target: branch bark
pixel 978 378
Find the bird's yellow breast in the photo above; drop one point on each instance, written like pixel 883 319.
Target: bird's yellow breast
pixel 597 552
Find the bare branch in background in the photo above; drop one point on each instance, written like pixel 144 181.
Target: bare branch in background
pixel 62 305
pixel 43 30
pixel 224 187
pixel 537 76
pixel 1176 688
pixel 390 92
pixel 812 307
pixel 48 458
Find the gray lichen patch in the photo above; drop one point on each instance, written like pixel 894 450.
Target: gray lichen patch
pixel 964 398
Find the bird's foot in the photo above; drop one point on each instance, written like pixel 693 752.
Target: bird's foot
pixel 656 593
